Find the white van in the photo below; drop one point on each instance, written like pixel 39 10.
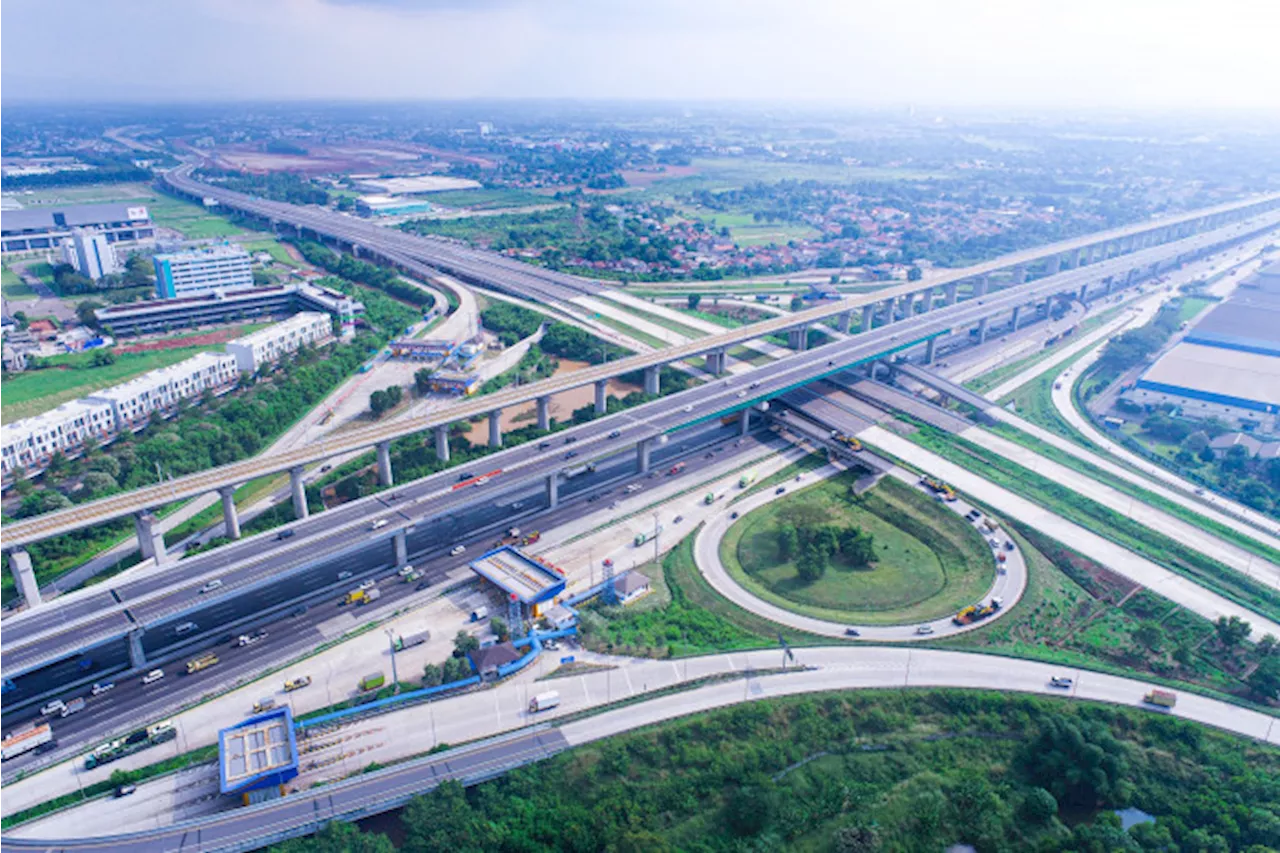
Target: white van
pixel 185 628
pixel 152 677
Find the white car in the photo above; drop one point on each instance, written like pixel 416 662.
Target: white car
pixel 457 549
pixel 101 687
pixel 152 677
pixel 924 630
pixel 381 522
pixel 57 706
pixel 369 584
pixel 688 409
pixel 216 583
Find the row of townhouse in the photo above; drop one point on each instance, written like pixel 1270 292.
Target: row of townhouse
pixel 30 443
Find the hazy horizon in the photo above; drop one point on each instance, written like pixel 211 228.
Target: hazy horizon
pixel 1141 55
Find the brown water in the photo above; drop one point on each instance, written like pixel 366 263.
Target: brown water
pixel 562 404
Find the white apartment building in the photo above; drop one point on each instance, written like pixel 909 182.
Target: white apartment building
pixel 29 443
pixel 225 267
pixel 132 403
pixel 90 253
pixel 268 345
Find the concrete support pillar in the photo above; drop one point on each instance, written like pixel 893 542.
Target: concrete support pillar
pixel 716 362
pixel 951 291
pixel 1084 293
pixel 442 443
pixel 1071 259
pixel 980 286
pixel 1020 274
pixel 1017 315
pixel 544 413
pixel 230 520
pixel 602 397
pixel 744 422
pixel 299 493
pixel 401 543
pixel 1045 307
pixel 846 322
pixel 890 315
pixel 1107 284
pixel 1052 265
pixel 137 657
pixel 642 455
pixel 798 339
pixel 982 330
pixel 652 380
pixel 385 477
pixel 926 301
pixel 495 428
pixel 150 540
pixel 24 577
pixel 868 317
pixel 930 349
pixel 553 490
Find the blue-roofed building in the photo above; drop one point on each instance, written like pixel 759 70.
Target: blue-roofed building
pixel 258 756
pixel 531 581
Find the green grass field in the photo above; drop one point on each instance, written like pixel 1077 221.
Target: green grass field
pixel 32 392
pixel 928 561
pixel 723 173
pixel 15 288
pixel 272 247
pixel 1192 306
pixel 168 212
pixel 489 199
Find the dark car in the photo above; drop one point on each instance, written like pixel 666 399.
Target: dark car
pixel 126 790
pixel 466 475
pixel 571 454
pixel 780 490
pixel 733 515
pixel 851 632
pixel 298 611
pixel 615 434
pixel 421 586
pixel 570 439
pixel 284 534
pixel 543 445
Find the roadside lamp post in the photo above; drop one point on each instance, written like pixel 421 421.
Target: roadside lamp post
pixel 391 644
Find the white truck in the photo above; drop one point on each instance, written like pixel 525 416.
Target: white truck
pixel 19 743
pixel 544 701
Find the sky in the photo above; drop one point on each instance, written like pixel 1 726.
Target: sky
pixel 1155 54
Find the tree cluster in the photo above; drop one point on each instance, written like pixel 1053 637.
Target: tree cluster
pixel 384 400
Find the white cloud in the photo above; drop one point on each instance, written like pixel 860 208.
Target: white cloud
pixel 1074 53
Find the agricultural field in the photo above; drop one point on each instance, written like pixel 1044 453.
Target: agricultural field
pixel 927 562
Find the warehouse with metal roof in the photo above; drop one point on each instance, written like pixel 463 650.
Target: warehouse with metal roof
pixel 46 227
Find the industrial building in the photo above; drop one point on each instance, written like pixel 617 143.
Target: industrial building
pixel 34 229
pixel 411 184
pixel 464 384
pixel 268 345
pixel 199 271
pixel 258 756
pixel 159 391
pixel 389 205
pixel 1228 365
pixel 256 303
pixel 90 253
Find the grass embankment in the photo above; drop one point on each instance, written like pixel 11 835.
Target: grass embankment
pixel 658 319
pixel 13 287
pixel 928 561
pixel 1153 500
pixel 1103 521
pixel 984 383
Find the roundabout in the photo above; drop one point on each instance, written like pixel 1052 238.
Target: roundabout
pixel 908 590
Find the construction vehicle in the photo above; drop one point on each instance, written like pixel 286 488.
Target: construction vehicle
pixel 371 595
pixel 747 479
pixel 203 662
pixel 977 612
pixel 939 488
pixel 1161 698
pixel 20 743
pixel 372 681
pixel 531 538
pixel 264 704
pixel 363 595
pixel 297 683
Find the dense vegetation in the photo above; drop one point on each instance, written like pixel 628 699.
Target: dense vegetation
pixel 867 771
pixel 105 168
pixel 512 323
pixel 352 269
pixel 277 186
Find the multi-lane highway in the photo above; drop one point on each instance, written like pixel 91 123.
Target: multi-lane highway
pixel 42 640
pixel 1116 269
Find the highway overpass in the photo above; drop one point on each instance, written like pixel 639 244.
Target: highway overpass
pixel 910 304
pixel 142 615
